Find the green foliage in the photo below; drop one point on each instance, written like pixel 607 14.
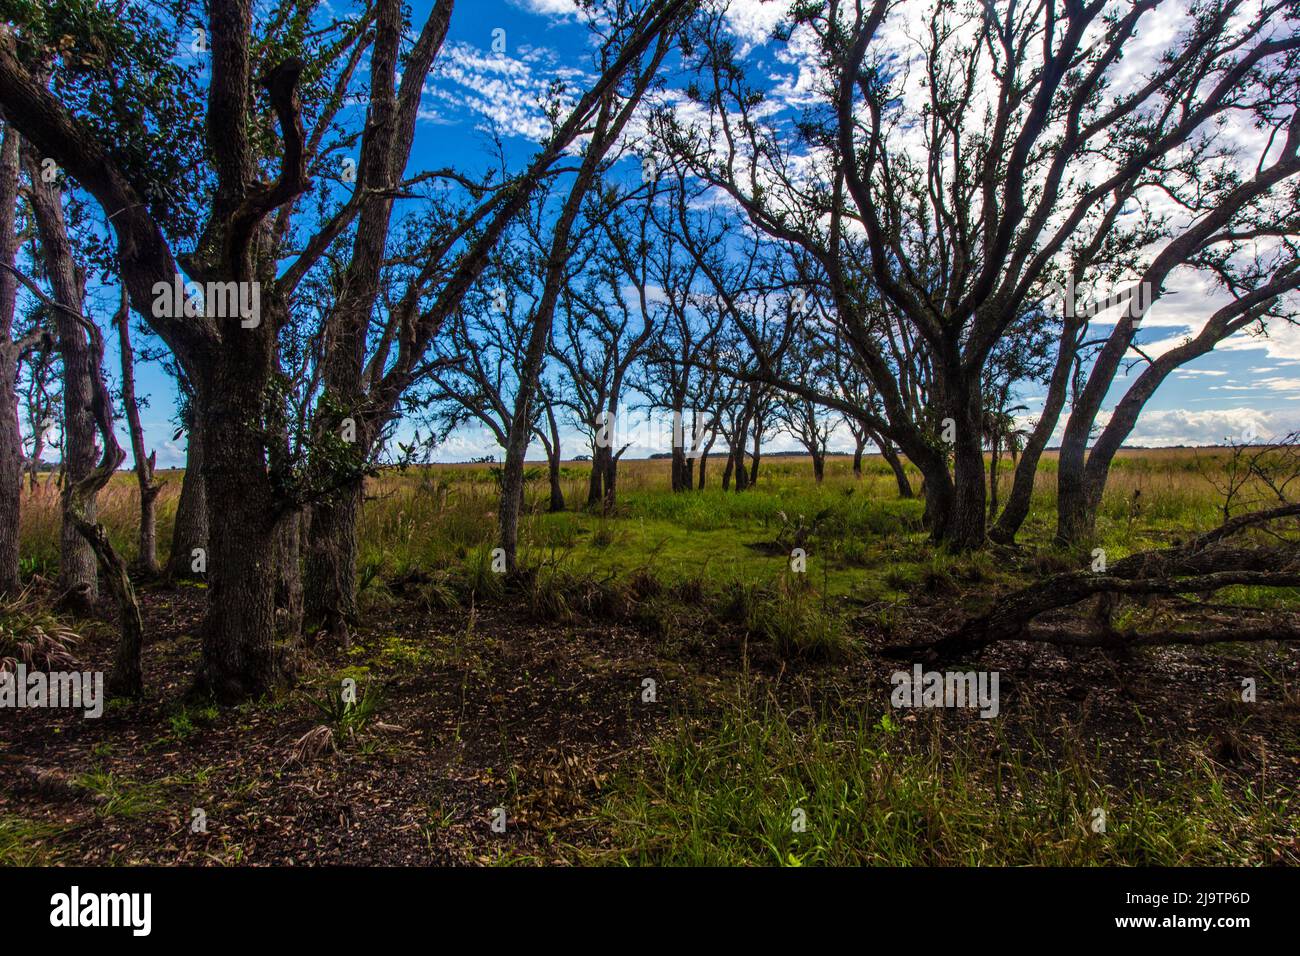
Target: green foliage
pixel 346 718
pixel 439 593
pixel 116 68
pixel 800 625
pixel 557 594
pixel 186 721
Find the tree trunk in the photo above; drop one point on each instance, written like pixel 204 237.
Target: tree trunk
pixel 77 569
pixel 557 490
pixel 819 467
pixel 143 462
pixel 704 460
pixel 11 442
pixel 512 492
pixel 191 528
pixel 289 593
pixel 679 468
pixel 553 461
pixel 860 444
pixel 890 455
pixel 993 477
pixel 329 566
pixel 596 487
pixel 939 494
pixel 611 481
pixel 741 471
pixel 126 678
pixel 726 471
pixel 11 473
pixel 1086 481
pixel 966 530
pixel 1079 491
pixel 1073 523
pixel 1021 494
pixel 149 528
pixel 239 658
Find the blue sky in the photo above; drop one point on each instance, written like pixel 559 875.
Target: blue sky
pixel 1246 383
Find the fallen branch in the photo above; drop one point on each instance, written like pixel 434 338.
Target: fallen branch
pixel 1203 566
pixel 1067 637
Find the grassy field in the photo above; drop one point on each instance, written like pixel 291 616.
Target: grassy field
pixel 770 738
pixel 440 516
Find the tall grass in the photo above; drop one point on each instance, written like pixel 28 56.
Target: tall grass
pixel 426 519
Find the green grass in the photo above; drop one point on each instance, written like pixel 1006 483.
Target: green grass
pixel 730 792
pixel 120 796
pixel 26 842
pixel 443 519
pixel 31 633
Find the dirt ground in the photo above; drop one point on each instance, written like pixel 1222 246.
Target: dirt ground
pixel 488 709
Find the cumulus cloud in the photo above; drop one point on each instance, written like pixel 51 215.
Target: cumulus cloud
pixel 507 92
pixel 171 455
pixel 1178 426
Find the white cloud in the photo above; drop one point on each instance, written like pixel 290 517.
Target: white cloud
pixel 547 8
pixel 508 92
pixel 1179 426
pixel 752 21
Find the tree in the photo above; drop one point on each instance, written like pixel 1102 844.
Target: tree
pixel 228 353
pixel 855 387
pixel 632 56
pixel 393 107
pixel 603 335
pixel 126 679
pixel 947 202
pixel 479 357
pixel 722 286
pixel 11 352
pixel 1205 565
pixel 675 357
pixel 449 264
pixel 78 579
pixel 803 418
pixel 143 461
pixel 190 530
